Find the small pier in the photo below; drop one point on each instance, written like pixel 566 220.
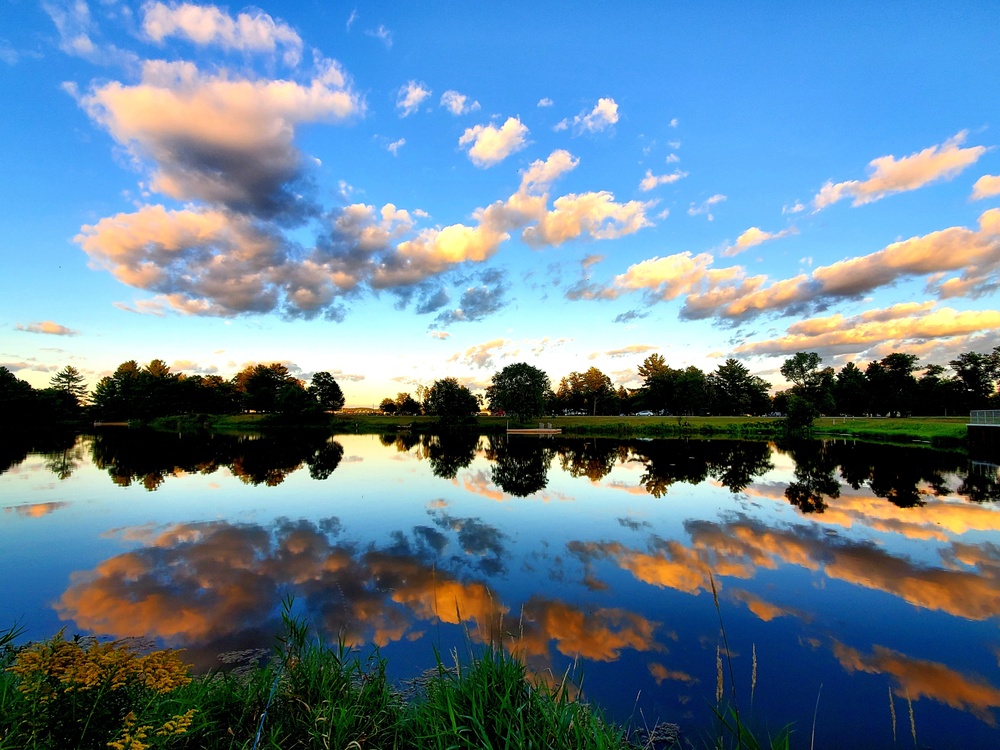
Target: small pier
pixel 542 429
pixel 983 432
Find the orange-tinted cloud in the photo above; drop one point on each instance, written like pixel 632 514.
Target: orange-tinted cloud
pixel 907 324
pixel 763 609
pixel 918 678
pixel 986 187
pixel 598 634
pixel 48 327
pixel 753 237
pixel 35 510
pixel 661 674
pixel 891 175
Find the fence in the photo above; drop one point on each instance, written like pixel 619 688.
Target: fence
pixel 984 417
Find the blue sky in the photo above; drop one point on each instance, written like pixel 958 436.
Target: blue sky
pixel 397 193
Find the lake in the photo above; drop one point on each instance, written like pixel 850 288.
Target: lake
pixel 855 582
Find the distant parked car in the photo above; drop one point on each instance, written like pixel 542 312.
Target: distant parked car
pixel 645 413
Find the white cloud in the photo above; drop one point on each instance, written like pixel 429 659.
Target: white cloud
pixel 651 181
pixel 394 147
pixel 706 206
pixel 491 145
pixel 207 24
pixel 410 97
pixel 545 102
pixel 890 175
pixel 601 117
pixel 457 104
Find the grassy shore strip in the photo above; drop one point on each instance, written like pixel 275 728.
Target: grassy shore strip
pixel 81 693
pixel 945 432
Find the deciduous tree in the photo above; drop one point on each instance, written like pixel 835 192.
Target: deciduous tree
pixel 518 390
pixel 450 401
pixel 326 391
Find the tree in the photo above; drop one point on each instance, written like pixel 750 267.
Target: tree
pixel 18 399
pixel 406 405
pixel 590 391
pixel 519 391
pixel 388 406
pixel 900 384
pixel 802 370
pixel 326 391
pixel 260 385
pixel 71 383
pixel 850 391
pixel 677 391
pixel 450 401
pixel 735 391
pixel 978 374
pixel 653 365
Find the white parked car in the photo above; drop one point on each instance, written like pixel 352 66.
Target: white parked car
pixel 645 413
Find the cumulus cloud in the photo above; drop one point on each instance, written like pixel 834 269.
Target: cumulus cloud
pixel 410 97
pixel 956 261
pixel 481 355
pixel 254 31
pixel 755 236
pixel 596 214
pixel 545 102
pixel 919 678
pixel 601 117
pixel 651 181
pixel 48 327
pixel 225 146
pixel 659 278
pixel 889 175
pixel 458 104
pixel 491 145
pixel 706 206
pixel 393 148
pixel 986 187
pixel 898 328
pixel 218 139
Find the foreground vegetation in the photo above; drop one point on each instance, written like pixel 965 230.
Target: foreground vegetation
pixel 81 693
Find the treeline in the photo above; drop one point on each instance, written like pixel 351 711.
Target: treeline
pixel 886 387
pixel 135 392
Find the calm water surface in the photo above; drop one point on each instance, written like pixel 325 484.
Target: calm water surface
pixel 864 577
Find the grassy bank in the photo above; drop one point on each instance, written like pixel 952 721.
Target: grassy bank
pixel 80 693
pixel 944 432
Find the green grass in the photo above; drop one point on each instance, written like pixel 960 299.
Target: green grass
pixel 308 695
pixel 943 432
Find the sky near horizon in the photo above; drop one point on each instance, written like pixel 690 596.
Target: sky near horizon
pixel 400 192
